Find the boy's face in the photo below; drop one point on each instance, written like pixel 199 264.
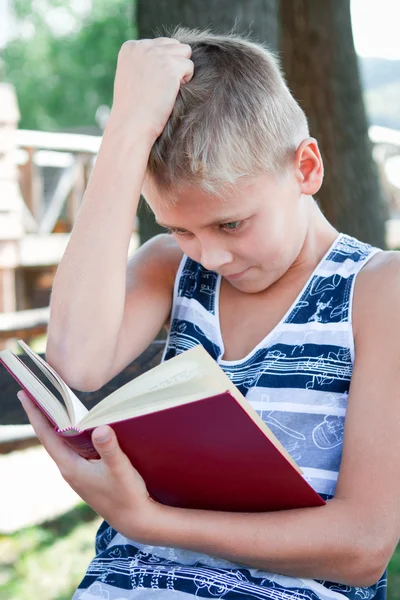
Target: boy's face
pixel 251 236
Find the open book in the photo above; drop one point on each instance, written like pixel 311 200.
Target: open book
pixel 186 428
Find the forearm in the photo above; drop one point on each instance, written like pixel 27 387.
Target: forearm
pixel 327 543
pixel 88 295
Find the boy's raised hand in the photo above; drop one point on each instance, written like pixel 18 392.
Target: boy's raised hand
pixel 148 78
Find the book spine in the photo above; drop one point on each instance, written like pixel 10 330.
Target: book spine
pixel 80 441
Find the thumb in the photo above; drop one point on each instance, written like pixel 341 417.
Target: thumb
pixel 106 444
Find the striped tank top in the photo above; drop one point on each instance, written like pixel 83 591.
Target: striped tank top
pixel 297 379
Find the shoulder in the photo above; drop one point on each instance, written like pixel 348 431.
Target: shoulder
pixel 157 258
pixel 161 247
pixel 380 274
pixel 377 293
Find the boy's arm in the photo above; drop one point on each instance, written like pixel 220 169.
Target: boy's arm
pixel 351 539
pixel 87 342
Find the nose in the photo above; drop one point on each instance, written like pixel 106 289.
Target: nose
pixel 213 256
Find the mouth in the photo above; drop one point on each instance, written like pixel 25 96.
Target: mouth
pixel 235 275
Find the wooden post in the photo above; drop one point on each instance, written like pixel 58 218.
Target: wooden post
pixel 32 185
pixel 11 203
pixel 78 189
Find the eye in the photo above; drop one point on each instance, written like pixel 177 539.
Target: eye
pixel 178 232
pixel 232 226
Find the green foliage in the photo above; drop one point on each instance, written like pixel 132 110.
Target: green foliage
pixel 23 9
pixel 48 561
pixel 394 576
pixel 61 81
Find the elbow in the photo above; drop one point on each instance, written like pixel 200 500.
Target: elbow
pixel 365 563
pixel 368 572
pixel 79 377
pixel 376 560
pixel 84 383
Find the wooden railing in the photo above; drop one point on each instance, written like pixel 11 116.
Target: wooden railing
pixel 53 172
pixel 69 157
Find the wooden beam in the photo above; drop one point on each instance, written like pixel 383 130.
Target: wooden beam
pixel 17 437
pixel 69 142
pixel 61 193
pixel 24 323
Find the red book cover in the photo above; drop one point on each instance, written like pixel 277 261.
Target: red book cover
pixel 208 454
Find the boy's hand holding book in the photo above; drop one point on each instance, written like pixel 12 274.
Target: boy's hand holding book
pixel 110 485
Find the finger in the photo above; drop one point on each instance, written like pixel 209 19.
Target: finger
pixel 45 431
pixel 166 40
pixel 106 444
pixel 188 67
pixel 161 41
pixel 38 420
pixel 180 50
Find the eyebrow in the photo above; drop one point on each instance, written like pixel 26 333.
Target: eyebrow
pixel 219 221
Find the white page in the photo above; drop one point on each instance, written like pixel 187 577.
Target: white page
pixel 152 401
pixel 76 410
pixel 35 387
pixel 183 367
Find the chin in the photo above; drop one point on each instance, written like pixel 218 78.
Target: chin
pixel 249 287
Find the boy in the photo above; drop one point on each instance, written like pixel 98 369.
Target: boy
pixel 292 310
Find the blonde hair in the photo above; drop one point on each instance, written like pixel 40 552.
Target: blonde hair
pixel 236 117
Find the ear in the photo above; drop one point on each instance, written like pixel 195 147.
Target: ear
pixel 308 165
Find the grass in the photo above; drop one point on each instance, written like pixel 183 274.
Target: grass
pixel 48 561
pixel 394 576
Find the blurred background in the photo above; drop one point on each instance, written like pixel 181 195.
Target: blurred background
pixel 57 64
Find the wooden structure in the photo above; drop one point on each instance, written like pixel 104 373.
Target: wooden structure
pixel 11 204
pixel 54 169
pixel 17 434
pixel 43 176
pixel 35 219
pixel 26 324
pixel 70 157
pixel 42 180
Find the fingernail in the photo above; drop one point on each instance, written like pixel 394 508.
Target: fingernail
pixel 20 397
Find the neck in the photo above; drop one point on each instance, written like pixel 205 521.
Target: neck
pixel 320 235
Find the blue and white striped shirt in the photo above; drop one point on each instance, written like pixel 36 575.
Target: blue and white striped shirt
pixel 297 379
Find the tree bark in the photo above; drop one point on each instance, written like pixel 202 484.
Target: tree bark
pixel 258 18
pixel 321 66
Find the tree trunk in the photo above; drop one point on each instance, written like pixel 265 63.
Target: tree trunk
pixel 255 17
pixel 321 66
